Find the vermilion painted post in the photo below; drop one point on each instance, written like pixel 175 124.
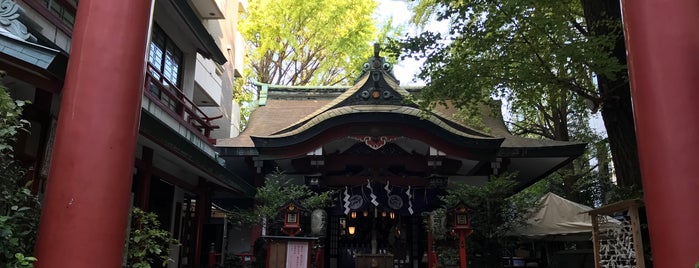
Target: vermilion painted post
pixel 431 255
pixel 462 249
pixel 662 39
pixel 86 204
pixel 145 177
pixel 463 257
pixel 320 257
pixel 211 263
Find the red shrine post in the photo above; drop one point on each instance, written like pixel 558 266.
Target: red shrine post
pixel 431 255
pixel 462 226
pixel 662 41
pixel 85 210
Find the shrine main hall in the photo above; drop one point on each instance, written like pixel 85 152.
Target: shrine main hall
pixel 387 160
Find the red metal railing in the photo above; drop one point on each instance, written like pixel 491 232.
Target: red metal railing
pixel 171 99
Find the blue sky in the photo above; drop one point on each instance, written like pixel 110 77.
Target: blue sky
pixel 406 69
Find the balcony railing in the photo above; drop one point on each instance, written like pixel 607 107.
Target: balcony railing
pixel 171 99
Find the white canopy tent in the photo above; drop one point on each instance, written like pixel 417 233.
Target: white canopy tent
pixel 559 216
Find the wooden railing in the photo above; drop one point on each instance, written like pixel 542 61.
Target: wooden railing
pixel 171 99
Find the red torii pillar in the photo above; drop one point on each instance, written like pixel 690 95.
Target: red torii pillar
pixel 85 209
pixel 662 39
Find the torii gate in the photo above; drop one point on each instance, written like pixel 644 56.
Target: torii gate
pixel 661 38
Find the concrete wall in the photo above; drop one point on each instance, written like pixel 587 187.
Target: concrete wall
pixel 225 32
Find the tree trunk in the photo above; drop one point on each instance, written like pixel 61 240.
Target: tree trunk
pixel 617 112
pixel 559 114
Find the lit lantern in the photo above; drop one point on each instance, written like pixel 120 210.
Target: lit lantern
pixel 292 218
pixel 462 217
pixel 392 215
pixel 383 214
pixel 366 213
pixel 353 214
pixel 462 226
pixel 351 230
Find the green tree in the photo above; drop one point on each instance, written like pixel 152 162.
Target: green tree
pixel 496 212
pixel 559 115
pixel 547 58
pixel 244 96
pixel 308 42
pixel 582 182
pixel 277 191
pixel 19 207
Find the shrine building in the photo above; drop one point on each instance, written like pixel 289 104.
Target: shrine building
pixel 386 159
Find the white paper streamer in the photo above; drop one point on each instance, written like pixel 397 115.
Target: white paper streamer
pixel 388 190
pixel 346 199
pixel 372 195
pixel 410 202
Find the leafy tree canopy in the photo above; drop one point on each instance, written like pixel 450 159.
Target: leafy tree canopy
pixel 553 61
pixel 513 49
pixel 496 213
pixel 277 191
pixel 308 42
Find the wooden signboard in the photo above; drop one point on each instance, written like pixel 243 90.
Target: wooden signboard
pixel 297 254
pixel 289 252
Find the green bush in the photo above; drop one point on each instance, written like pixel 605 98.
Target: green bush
pixel 10 121
pixel 19 217
pixel 148 244
pixel 19 207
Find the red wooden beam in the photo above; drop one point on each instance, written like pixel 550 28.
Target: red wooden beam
pixel 145 176
pixel 662 42
pixel 85 208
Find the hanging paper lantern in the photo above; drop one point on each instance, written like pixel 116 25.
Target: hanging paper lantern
pixel 318 222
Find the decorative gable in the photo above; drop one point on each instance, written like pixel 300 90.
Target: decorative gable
pixel 380 86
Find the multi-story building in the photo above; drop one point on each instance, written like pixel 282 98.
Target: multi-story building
pixel 195 54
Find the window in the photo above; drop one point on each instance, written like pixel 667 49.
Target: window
pixel 165 59
pixel 62 9
pixel 291 218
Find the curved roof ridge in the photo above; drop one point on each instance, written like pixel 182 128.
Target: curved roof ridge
pixel 375 69
pixel 357 109
pixel 348 93
pixel 394 84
